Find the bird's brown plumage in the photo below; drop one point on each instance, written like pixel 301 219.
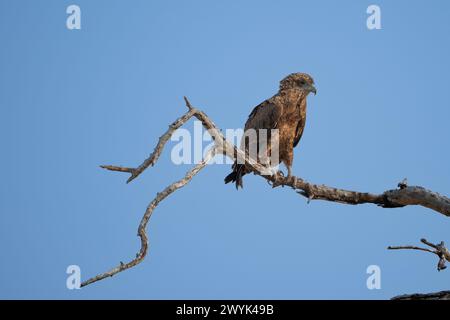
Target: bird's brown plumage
pixel 285 111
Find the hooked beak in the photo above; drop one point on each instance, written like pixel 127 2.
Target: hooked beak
pixel 311 88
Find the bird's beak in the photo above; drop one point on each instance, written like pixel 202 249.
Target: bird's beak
pixel 311 88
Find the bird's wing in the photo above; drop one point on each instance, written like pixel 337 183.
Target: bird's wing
pixel 299 131
pixel 265 115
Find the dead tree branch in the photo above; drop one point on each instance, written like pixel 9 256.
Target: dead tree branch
pixel 403 196
pixel 441 295
pixel 439 249
pixel 142 233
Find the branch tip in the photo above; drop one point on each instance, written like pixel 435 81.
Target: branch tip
pixel 188 104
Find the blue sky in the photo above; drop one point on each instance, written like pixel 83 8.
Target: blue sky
pixel 74 99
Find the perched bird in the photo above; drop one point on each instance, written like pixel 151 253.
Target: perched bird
pixel 285 111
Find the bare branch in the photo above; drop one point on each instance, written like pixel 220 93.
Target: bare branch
pixel 404 196
pixel 442 295
pixel 435 246
pixel 142 233
pixel 188 104
pixel 418 196
pixel 439 249
pixel 409 247
pixel 151 160
pixel 117 168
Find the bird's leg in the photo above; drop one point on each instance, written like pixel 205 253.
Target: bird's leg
pixel 290 177
pixel 278 177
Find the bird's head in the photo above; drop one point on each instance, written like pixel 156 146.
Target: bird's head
pixel 299 81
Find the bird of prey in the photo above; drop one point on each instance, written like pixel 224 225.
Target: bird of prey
pixel 285 111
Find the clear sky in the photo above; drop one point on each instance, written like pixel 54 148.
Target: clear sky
pixel 74 99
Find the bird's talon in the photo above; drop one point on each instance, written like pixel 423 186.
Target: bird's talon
pixel 277 181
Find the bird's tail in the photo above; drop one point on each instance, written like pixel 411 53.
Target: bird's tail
pixel 236 175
